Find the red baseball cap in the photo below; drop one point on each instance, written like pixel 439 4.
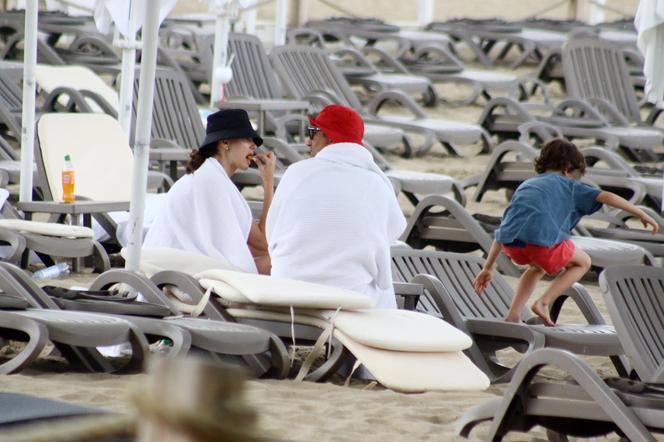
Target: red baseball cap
pixel 341 124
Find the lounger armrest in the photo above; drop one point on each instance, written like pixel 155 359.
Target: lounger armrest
pixel 384 59
pixel 322 97
pixel 583 300
pixel 543 130
pixel 17 245
pixel 497 327
pixel 654 114
pixel 74 99
pixel 444 55
pixel 611 158
pixel 510 107
pixel 578 107
pixel 162 142
pixel 357 57
pixel 536 84
pixel 609 109
pixel 395 96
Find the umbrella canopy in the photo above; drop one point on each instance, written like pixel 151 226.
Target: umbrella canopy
pixel 649 22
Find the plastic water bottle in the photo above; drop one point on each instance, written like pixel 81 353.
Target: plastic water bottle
pixel 53 272
pixel 68 181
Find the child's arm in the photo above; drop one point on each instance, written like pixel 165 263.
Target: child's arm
pixel 483 278
pixel 618 202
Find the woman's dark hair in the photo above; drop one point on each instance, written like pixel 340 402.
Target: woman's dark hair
pixel 560 154
pixel 198 156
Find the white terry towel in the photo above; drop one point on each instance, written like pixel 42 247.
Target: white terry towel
pixel 205 213
pixel 332 221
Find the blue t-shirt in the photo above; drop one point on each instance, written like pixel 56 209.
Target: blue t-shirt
pixel 545 209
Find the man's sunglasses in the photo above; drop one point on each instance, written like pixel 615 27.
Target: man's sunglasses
pixel 312 131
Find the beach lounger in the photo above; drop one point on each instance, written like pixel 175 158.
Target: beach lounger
pixel 414 185
pixel 158 319
pixel 455 229
pixel 77 334
pixel 635 301
pixel 596 71
pixel 448 283
pixel 389 343
pixel 101 153
pixel 255 85
pixel 587 407
pixel 308 72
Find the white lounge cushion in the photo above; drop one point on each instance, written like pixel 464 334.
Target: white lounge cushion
pixel 99 139
pixel 157 259
pixel 270 290
pixel 413 372
pixel 399 330
pixel 48 229
pixel 78 78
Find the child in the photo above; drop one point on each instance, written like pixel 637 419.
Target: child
pixel 536 227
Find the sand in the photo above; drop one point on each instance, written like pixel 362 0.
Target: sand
pixel 332 412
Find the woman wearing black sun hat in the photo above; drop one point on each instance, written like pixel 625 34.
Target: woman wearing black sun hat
pixel 204 212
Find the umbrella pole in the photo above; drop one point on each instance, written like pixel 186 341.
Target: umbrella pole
pixel 281 23
pixel 28 116
pixel 128 45
pixel 222 27
pixel 143 128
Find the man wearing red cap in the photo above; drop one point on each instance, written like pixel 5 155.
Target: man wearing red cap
pixel 334 216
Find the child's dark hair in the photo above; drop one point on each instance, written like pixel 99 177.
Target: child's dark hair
pixel 560 154
pixel 198 157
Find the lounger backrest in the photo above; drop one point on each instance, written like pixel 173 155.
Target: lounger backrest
pixel 175 115
pixel 10 93
pixel 99 149
pixel 596 68
pixel 634 296
pixel 304 70
pixel 456 272
pixel 252 74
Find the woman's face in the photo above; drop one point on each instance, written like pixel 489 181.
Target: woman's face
pixel 238 152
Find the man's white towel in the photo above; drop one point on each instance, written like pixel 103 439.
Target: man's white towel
pixel 205 213
pixel 332 221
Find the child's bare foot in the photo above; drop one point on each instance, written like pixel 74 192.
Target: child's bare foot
pixel 512 318
pixel 541 309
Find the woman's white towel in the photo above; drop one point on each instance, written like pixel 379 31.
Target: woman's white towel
pixel 205 213
pixel 332 221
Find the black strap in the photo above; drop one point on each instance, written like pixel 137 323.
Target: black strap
pixel 94 295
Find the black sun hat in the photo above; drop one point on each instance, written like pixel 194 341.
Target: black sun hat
pixel 228 124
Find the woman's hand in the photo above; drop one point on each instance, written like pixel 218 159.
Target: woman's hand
pixel 266 162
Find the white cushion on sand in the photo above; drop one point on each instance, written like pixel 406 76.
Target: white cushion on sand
pixel 270 290
pixel 157 259
pixel 48 229
pixel 91 140
pixel 399 330
pixel 78 78
pixel 413 372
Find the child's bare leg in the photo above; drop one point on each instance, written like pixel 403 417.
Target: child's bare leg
pixel 524 289
pixel 575 269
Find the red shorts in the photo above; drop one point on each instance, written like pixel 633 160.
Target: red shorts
pixel 550 259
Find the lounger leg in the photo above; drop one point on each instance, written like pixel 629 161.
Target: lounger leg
pixel 37 340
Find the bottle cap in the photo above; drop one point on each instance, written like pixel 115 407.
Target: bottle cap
pixel 67 157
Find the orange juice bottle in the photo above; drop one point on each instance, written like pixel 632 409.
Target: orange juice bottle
pixel 68 181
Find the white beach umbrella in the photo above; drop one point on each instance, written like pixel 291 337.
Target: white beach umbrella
pixel 649 23
pixel 127 15
pixel 153 11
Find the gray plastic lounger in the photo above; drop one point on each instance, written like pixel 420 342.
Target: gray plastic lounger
pixel 77 334
pixel 17 327
pixel 255 84
pixel 448 282
pixel 595 70
pixel 455 229
pixel 588 407
pixel 159 320
pixel 634 296
pixel 308 73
